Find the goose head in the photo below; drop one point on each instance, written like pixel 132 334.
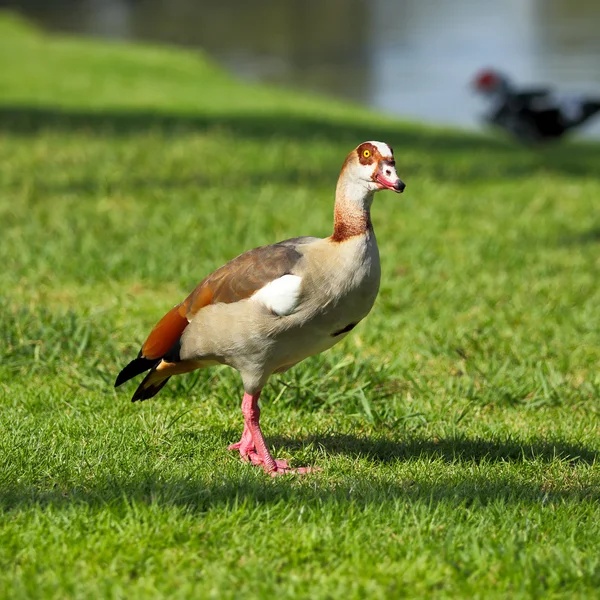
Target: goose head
pixel 370 168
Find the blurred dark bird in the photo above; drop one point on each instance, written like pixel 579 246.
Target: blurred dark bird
pixel 531 114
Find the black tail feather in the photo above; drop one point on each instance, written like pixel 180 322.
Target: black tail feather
pixel 135 367
pixel 148 390
pixel 588 109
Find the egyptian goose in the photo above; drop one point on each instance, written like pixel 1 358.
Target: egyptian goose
pixel 271 307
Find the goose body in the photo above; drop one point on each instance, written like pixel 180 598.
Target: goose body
pixel 322 304
pixel 273 306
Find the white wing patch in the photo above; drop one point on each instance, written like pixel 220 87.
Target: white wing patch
pixel 280 296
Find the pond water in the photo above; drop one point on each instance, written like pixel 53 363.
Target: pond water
pixel 413 58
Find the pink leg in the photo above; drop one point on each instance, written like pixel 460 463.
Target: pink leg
pixel 252 445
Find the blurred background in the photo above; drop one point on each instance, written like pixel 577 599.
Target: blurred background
pixel 412 58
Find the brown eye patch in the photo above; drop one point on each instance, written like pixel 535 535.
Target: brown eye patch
pixel 367 154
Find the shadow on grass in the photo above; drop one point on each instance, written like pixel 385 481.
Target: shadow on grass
pixel 291 176
pixel 591 236
pixel 460 486
pixel 449 449
pixel 489 158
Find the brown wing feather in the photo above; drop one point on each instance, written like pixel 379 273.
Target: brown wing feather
pixel 234 281
pixel 243 276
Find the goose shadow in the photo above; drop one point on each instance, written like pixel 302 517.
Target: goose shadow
pixel 450 449
pixel 245 484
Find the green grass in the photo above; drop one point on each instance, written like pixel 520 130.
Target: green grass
pixel 457 427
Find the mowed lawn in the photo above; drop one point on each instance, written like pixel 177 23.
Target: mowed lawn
pixel 457 428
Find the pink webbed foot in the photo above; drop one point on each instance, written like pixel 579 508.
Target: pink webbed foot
pixel 281 466
pixel 249 454
pixel 253 448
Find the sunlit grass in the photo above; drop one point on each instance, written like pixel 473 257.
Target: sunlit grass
pixel 457 427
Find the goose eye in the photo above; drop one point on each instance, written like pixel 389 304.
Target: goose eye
pixel 366 153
